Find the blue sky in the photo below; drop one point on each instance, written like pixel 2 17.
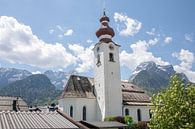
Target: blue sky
pixel 59 34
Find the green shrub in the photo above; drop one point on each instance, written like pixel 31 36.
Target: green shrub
pixel 109 118
pixel 125 120
pixel 128 120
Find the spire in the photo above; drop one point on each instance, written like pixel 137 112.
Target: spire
pixel 104 13
pixel 105 33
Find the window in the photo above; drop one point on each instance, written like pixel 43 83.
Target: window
pixel 111 57
pixel 150 113
pixel 98 60
pixel 84 113
pixel 71 111
pixel 14 105
pixel 126 112
pixel 139 115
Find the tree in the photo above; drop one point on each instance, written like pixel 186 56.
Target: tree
pixel 174 108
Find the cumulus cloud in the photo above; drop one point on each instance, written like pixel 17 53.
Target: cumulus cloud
pixel 132 26
pixel 168 40
pixel 153 41
pixel 69 32
pixel 151 32
pixel 140 53
pixel 189 37
pixel 187 59
pixel 85 57
pixel 19 45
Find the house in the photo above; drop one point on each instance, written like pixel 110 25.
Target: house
pixel 94 99
pixel 37 120
pixel 12 104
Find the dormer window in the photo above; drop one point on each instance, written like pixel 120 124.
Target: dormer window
pixel 111 57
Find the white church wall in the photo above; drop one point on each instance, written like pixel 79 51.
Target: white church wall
pixel 78 104
pixel 113 82
pixel 99 82
pixel 145 115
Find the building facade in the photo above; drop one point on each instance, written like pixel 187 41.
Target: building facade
pixel 94 99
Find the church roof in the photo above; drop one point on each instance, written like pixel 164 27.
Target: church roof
pixel 132 93
pixel 83 87
pixel 78 86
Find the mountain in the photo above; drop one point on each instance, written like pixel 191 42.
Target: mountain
pixel 9 75
pixel 57 78
pixel 152 77
pixel 34 89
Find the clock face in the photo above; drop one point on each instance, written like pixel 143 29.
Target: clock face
pixel 111 47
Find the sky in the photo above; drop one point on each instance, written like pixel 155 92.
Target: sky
pixel 59 34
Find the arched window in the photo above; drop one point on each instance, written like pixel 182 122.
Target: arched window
pixel 111 57
pixel 139 115
pixel 84 113
pixel 71 111
pixel 150 113
pixel 98 59
pixel 126 111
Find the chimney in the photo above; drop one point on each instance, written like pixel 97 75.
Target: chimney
pixel 15 105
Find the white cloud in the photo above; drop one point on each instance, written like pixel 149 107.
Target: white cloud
pixel 140 54
pixel 168 40
pixel 69 32
pixel 85 57
pixel 153 41
pixel 187 58
pixel 152 32
pixel 132 26
pixel 89 41
pixel 189 37
pixel 51 31
pixel 19 45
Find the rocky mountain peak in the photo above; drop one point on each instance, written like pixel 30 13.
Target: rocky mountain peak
pixel 153 77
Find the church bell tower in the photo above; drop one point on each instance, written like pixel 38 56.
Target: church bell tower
pixel 107 72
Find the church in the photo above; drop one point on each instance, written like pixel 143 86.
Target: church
pixel 94 99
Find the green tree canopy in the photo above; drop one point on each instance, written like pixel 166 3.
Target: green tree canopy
pixel 174 107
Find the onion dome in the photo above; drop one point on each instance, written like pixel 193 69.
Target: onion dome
pixel 105 33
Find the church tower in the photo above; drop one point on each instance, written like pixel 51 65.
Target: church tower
pixel 107 72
